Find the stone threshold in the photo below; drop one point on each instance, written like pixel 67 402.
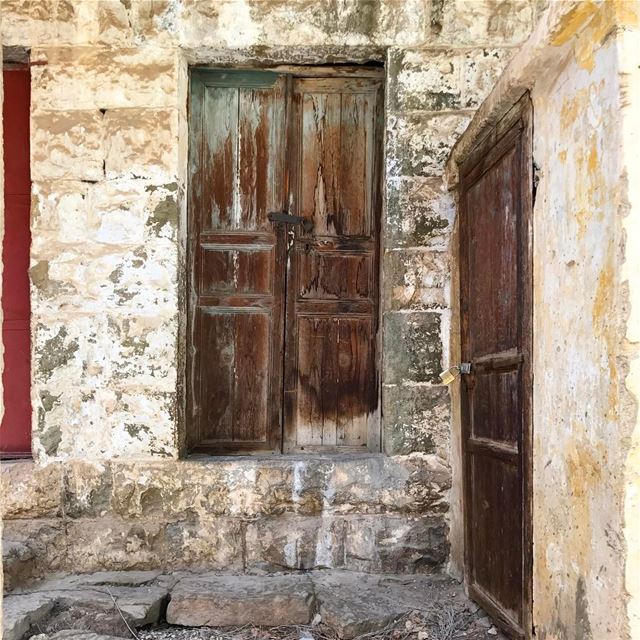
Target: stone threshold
pixel 344 604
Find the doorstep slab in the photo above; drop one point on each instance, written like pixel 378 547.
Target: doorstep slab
pixel 215 600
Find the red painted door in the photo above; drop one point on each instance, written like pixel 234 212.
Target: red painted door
pixel 15 431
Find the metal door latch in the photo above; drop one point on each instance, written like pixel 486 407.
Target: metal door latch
pixel 450 374
pixel 281 216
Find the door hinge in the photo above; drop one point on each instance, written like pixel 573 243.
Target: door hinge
pixel 536 174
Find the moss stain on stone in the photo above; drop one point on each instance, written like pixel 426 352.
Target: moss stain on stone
pixel 165 212
pixel 55 353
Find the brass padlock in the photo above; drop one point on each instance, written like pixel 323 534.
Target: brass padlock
pixel 450 374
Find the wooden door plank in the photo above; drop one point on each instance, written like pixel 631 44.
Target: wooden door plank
pixel 495 279
pixel 331 381
pixel 237 257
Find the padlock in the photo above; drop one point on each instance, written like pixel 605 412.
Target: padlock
pixel 450 374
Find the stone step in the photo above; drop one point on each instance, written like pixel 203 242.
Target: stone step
pixel 102 603
pixel 222 600
pixel 352 604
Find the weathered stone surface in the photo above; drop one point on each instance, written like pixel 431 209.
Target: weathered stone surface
pixel 419 213
pixel 255 23
pixel 472 22
pixel 75 635
pixel 295 542
pixel 140 142
pixel 19 564
pixel 20 612
pixel 46 540
pixel 419 145
pixel 30 491
pixel 87 489
pixel 102 78
pixel 412 347
pixel 391 544
pixel 146 544
pixel 43 22
pixel 353 604
pixel 482 68
pixel 424 80
pixel 99 603
pixel 213 600
pixel 67 145
pixel 416 279
pixel 416 418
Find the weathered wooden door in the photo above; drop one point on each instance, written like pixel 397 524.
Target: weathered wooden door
pixel 495 198
pixel 15 431
pixel 283 243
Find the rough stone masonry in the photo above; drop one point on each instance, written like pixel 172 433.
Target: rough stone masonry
pixel 109 167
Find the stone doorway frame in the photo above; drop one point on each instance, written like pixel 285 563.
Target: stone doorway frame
pixel 267 60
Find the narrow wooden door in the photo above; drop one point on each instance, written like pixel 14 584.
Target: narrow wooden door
pixel 237 261
pixel 15 431
pixel 283 246
pixel 331 379
pixel 495 198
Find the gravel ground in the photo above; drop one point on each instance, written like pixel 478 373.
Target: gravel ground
pixel 443 624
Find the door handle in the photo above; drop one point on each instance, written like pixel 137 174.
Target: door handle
pixel 281 216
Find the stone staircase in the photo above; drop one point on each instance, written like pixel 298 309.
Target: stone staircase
pixel 113 604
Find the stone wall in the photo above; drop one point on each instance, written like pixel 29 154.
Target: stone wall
pixel 580 67
pixel 109 161
pixel 371 513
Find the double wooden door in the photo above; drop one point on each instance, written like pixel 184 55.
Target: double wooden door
pixel 283 260
pixel 495 277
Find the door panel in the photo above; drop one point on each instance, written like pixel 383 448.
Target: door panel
pixel 331 381
pixel 264 143
pixel 237 256
pixel 15 431
pixel 495 196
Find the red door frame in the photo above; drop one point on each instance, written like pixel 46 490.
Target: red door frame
pixel 15 430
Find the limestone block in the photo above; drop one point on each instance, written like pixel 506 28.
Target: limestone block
pixel 67 145
pixel 355 604
pixel 141 142
pixel 424 80
pixel 416 418
pixel 415 279
pixel 30 491
pixel 109 543
pixel 113 23
pixel 185 489
pixel 236 600
pixel 19 565
pixel 61 207
pixel 482 68
pixel 87 488
pixel 104 78
pixel 19 613
pixel 412 347
pixel 91 609
pixel 419 145
pixel 295 542
pixel 45 538
pixel 83 410
pixel 472 22
pixel 41 22
pixel 395 544
pixel 152 20
pixel 379 484
pixel 246 23
pixel 420 213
